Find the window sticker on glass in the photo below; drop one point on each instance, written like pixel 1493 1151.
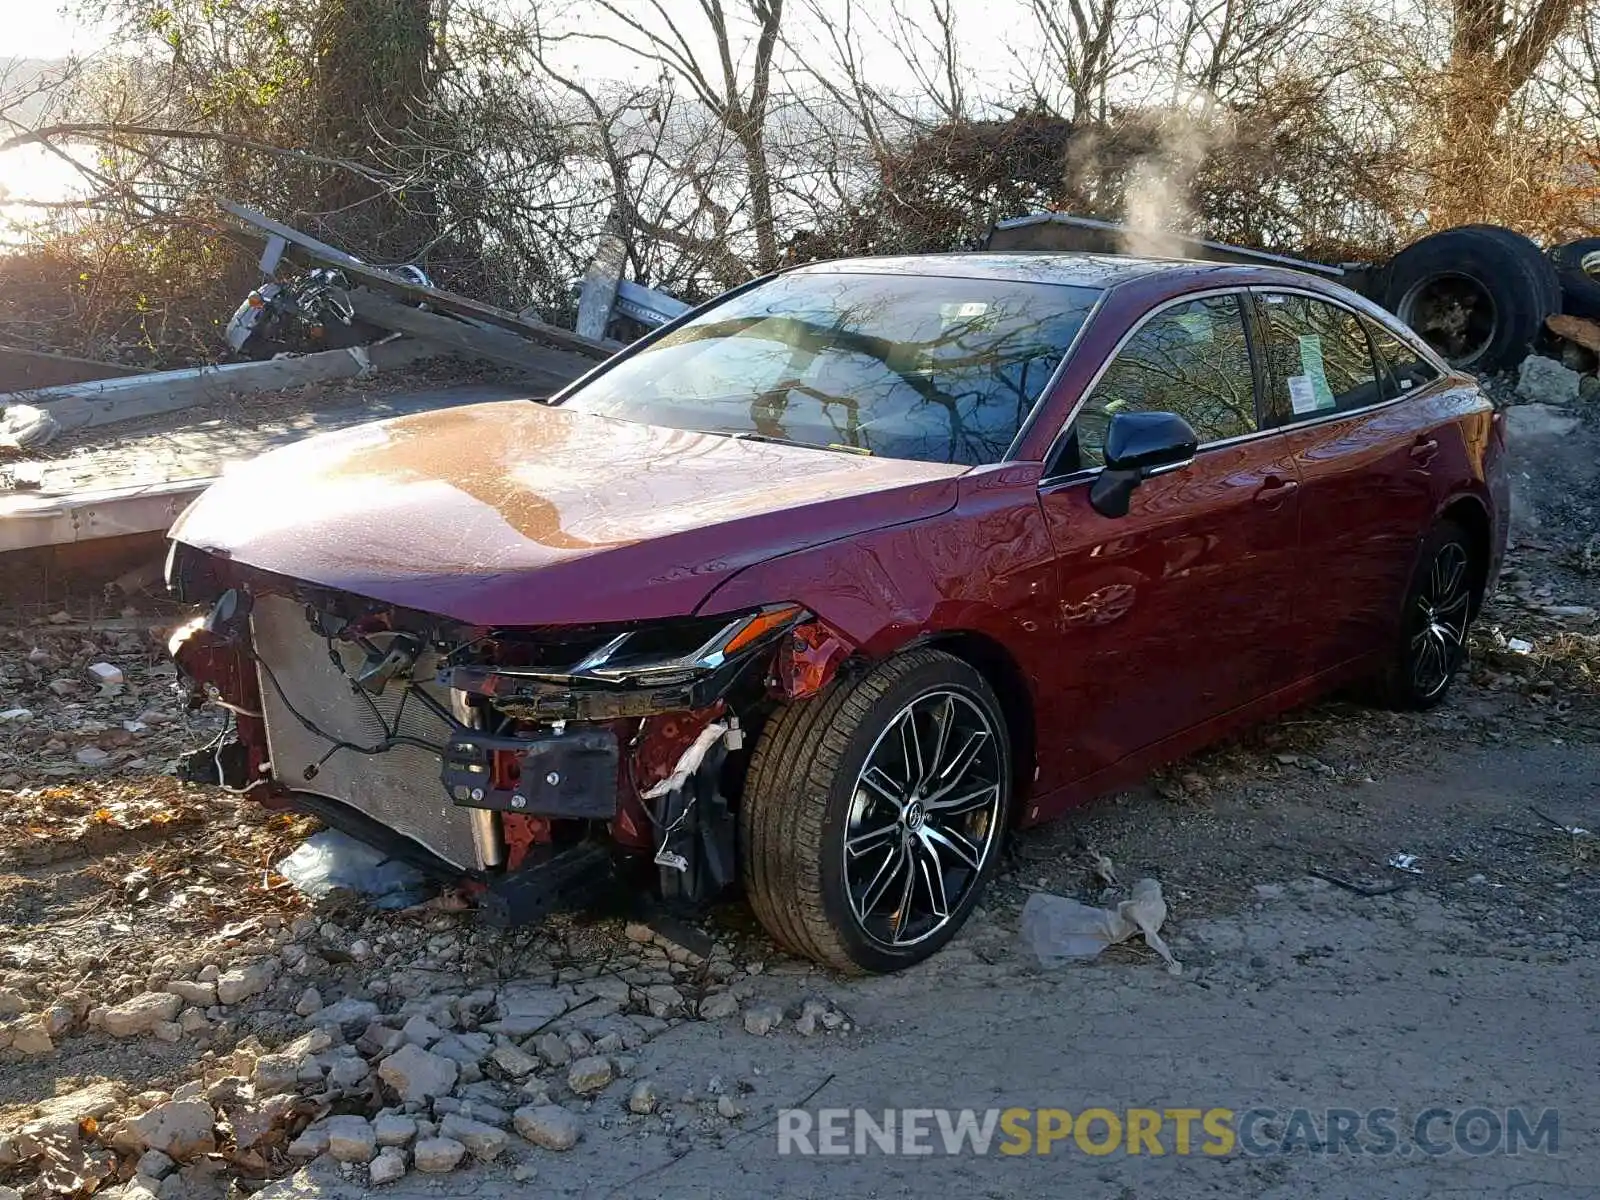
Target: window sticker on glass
pixel 1311 364
pixel 972 308
pixel 1302 395
pixel 1198 326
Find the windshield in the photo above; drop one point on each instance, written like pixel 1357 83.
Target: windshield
pixel 932 368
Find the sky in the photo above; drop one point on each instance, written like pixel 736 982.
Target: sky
pixel 42 30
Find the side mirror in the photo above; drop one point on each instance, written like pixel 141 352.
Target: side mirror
pixel 1139 445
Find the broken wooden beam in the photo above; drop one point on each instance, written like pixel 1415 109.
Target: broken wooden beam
pixel 388 281
pixel 546 365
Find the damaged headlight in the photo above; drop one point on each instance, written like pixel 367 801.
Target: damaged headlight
pixel 676 651
pixel 664 666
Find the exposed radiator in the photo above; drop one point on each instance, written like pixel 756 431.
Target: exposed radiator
pixel 400 787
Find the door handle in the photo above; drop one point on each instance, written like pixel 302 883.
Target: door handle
pixel 1423 450
pixel 1275 490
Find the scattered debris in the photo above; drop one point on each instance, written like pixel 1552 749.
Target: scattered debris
pixel 1405 862
pixel 1059 929
pixel 331 859
pixel 23 427
pixel 1370 891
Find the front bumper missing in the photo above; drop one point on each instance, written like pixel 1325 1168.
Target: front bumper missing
pixel 569 774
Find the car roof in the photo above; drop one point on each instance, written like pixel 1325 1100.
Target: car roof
pixel 1073 268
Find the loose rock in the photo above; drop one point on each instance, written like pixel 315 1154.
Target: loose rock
pixel 389 1166
pixel 240 983
pixel 590 1075
pixel 548 1125
pixel 351 1139
pixel 391 1129
pixel 645 1098
pixel 417 1074
pixel 155 1164
pixel 762 1019
pixel 484 1141
pixel 514 1060
pixel 309 1144
pixel 201 995
pixel 180 1129
pixel 141 1014
pixel 1543 380
pixel 526 1009
pixel 350 1015
pixel 553 1050
pixel 663 1000
pixel 718 1005
pixel 436 1155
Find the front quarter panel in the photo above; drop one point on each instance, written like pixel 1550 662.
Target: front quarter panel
pixel 983 568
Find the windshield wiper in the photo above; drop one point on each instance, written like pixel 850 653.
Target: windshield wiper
pixel 751 436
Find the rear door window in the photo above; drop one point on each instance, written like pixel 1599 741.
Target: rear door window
pixel 1319 359
pixel 1402 369
pixel 1192 359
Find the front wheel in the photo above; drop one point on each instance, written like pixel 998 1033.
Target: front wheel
pixel 872 814
pixel 1439 606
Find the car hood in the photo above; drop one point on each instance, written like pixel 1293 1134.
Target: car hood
pixel 518 513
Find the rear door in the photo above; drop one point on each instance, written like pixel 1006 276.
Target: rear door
pixel 1363 453
pixel 1182 609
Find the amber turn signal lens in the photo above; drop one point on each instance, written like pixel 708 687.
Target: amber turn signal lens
pixel 759 626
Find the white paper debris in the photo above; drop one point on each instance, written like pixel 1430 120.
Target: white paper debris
pixel 23 426
pixel 689 762
pixel 1405 862
pixel 1059 929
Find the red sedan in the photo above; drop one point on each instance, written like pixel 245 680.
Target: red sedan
pixel 828 584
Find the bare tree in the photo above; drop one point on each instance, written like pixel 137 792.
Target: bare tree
pixel 736 97
pixel 1082 56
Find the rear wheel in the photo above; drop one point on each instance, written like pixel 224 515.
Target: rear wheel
pixel 1439 606
pixel 872 814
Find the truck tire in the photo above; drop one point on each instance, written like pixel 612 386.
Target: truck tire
pixel 1478 294
pixel 1580 291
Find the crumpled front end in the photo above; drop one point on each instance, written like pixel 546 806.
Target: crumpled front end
pixel 522 761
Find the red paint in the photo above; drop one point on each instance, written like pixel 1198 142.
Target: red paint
pixel 1225 595
pixel 522 834
pixel 808 660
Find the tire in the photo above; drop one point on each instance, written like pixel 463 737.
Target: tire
pixel 1401 685
pixel 1478 294
pixel 804 796
pixel 1580 291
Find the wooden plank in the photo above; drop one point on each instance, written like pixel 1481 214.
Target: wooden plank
pixel 1577 330
pixel 549 367
pixel 28 521
pixel 105 401
pixel 23 370
pixel 386 281
pixel 600 287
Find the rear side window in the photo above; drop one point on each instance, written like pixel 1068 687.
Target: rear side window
pixel 1191 359
pixel 1402 368
pixel 1319 359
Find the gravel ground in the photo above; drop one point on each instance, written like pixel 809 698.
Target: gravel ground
pixel 177 1021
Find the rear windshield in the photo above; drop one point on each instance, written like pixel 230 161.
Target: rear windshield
pixel 932 368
